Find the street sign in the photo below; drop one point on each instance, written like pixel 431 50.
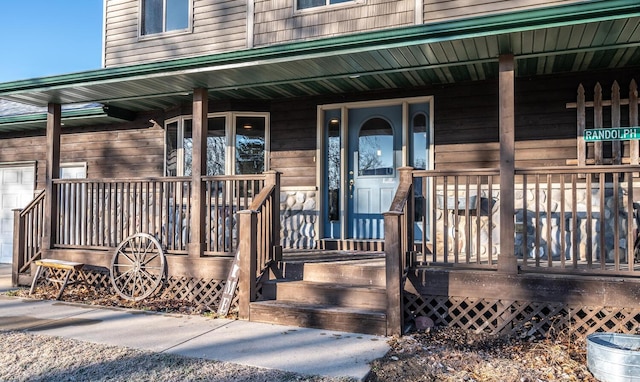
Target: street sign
pixel 612 134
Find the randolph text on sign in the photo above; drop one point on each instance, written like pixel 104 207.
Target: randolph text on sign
pixel 612 134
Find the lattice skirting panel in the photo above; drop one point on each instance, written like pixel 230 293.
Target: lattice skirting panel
pixel 521 317
pixel 194 290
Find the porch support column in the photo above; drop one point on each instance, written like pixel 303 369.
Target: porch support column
pixel 52 172
pixel 506 258
pixel 198 170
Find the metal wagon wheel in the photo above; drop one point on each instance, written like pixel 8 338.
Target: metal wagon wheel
pixel 137 267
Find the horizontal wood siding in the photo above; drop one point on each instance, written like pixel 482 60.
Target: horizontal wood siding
pixel 293 143
pixel 217 26
pixel 276 21
pixel 111 151
pixel 466 120
pixel 117 153
pixel 441 10
pixel 23 149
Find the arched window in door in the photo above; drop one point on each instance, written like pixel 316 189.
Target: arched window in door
pixel 375 148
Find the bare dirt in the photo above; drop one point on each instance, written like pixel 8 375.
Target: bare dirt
pixel 438 354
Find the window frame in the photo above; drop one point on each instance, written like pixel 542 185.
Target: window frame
pixel 326 6
pixel 164 32
pixel 230 139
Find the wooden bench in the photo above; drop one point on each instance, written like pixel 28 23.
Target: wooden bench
pixel 68 268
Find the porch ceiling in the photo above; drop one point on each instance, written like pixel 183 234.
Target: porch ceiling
pixel 586 36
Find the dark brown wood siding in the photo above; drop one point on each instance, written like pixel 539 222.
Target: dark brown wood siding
pixel 293 142
pixel 117 153
pixel 131 149
pixel 25 149
pixel 466 120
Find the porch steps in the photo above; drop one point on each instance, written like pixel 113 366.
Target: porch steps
pixel 355 272
pixel 336 295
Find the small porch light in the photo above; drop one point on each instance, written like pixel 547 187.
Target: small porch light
pixel 334 121
pixel 247 126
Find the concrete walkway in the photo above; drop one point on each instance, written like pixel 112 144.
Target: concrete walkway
pixel 299 350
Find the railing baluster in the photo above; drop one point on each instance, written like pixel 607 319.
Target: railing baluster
pixel 589 222
pixel 603 243
pixel 616 221
pixel 630 222
pixel 574 220
pixel 562 223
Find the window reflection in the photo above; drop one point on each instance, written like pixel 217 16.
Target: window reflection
pixel 375 148
pixel 216 146
pixel 187 144
pixel 419 129
pixel 171 152
pixel 333 167
pixel 250 145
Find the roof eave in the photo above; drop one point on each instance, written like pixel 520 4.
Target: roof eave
pixel 448 30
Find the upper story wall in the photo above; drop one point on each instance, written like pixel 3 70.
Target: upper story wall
pixel 217 26
pixel 227 25
pixel 442 10
pixel 276 21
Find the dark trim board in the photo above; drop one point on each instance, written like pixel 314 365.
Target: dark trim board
pixel 574 290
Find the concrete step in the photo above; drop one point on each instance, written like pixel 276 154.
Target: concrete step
pixel 342 295
pixel 319 316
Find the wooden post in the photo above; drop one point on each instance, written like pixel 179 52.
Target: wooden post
pixel 597 121
pixel 198 170
pixel 581 122
pixel 18 247
pixel 273 178
pixel 394 269
pixel 52 172
pixel 248 248
pixel 633 121
pixel 507 261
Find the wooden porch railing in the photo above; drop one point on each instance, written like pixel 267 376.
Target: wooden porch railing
pixel 99 214
pixel 259 244
pixel 225 197
pixel 28 228
pixel 455 216
pixel 398 234
pixel 567 219
pixel 578 220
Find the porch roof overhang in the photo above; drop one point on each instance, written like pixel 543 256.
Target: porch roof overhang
pixel 76 117
pixel 582 36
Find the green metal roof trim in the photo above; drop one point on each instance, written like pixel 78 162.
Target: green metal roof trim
pixel 37 121
pixel 592 11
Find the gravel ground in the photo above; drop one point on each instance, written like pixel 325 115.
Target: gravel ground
pixel 31 357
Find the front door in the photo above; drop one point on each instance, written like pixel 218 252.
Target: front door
pixel 363 145
pixel 374 154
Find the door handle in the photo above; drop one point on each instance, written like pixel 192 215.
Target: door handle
pixel 351 182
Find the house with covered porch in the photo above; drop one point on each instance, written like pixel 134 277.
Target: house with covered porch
pixel 351 164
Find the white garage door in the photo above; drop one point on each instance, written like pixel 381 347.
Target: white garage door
pixel 16 191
